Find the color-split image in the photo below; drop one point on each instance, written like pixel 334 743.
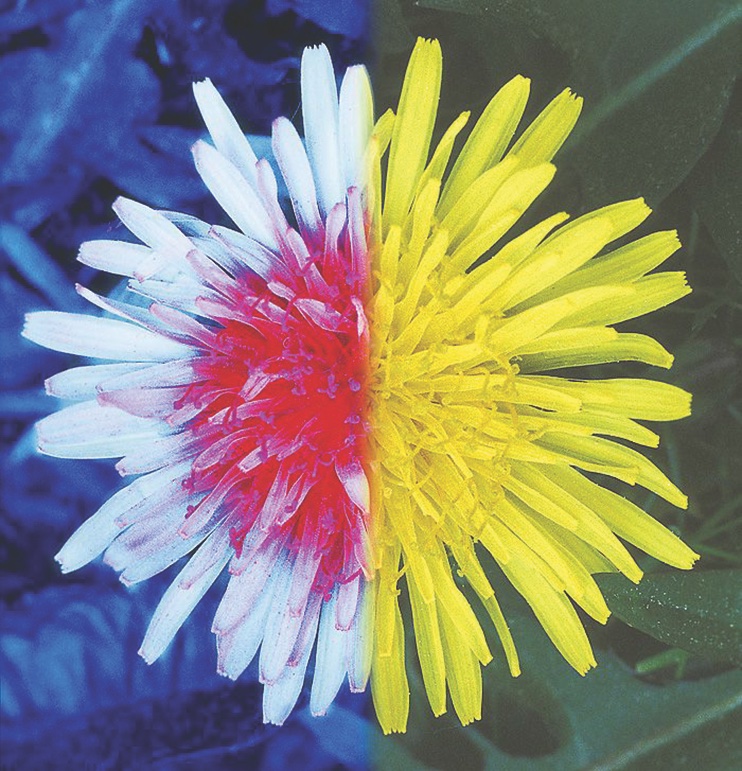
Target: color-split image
pixel 369 400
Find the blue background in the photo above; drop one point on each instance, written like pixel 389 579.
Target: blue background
pixel 96 102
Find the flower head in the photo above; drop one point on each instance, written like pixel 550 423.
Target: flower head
pixel 336 408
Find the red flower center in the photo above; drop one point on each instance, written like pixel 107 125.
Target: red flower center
pixel 279 403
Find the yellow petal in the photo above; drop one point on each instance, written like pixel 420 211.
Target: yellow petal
pixel 413 128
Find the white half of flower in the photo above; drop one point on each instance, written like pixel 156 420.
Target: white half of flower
pixel 183 265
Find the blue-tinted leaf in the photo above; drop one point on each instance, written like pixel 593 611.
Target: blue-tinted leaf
pixel 55 100
pixel 38 268
pixel 16 16
pixel 349 19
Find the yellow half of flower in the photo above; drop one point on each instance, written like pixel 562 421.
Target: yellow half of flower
pixel 475 451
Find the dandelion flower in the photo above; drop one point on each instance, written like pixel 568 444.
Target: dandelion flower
pixel 353 403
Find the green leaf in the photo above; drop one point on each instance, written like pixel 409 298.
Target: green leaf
pixel 708 739
pixel 699 612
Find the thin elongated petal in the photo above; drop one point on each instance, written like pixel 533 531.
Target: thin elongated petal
pixel 101 338
pixel 82 382
pixel 178 601
pixel 97 533
pixel 320 111
pixel 227 135
pixel 234 193
pixel 116 257
pixel 237 648
pixel 412 129
pixel 90 430
pixel 294 164
pixel 153 228
pixel 488 140
pixel 331 665
pixel 280 697
pixel 355 124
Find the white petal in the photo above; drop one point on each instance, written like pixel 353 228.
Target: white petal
pixel 182 295
pixel 294 164
pixel 158 453
pixel 362 640
pixel 126 311
pixel 354 480
pixel 216 550
pixel 280 697
pixel 189 225
pixel 304 572
pixel 308 631
pixel 179 601
pixel 143 565
pixel 244 589
pixel 117 257
pixel 157 264
pixel 171 373
pixel 210 509
pixel 224 129
pixel 89 430
pixel 278 621
pixel 278 644
pixel 298 248
pixel 335 223
pixel 283 628
pixel 359 256
pixel 210 551
pixel 347 602
pixel 161 403
pixel 276 500
pixel 154 229
pixel 249 252
pixel 157 492
pixel 96 533
pixel 101 338
pixel 152 538
pixel 237 648
pixel 234 193
pixel 331 664
pixel 220 254
pixel 320 111
pixel 356 124
pixel 82 382
pixel 211 274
